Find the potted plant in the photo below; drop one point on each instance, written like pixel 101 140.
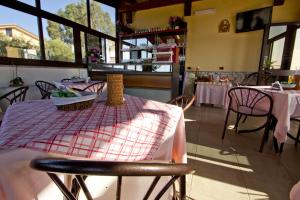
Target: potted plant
pixel 95 55
pixel 268 63
pixel 16 82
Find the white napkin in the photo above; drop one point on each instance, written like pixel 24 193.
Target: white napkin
pixel 277 86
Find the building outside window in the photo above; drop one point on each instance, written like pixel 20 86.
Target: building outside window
pixel 8 32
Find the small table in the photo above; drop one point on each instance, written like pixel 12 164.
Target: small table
pixel 212 93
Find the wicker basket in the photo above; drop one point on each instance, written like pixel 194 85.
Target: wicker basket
pixel 115 89
pixel 74 103
pixel 76 106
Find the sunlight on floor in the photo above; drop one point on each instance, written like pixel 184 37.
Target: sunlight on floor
pixel 189 120
pixel 216 154
pixel 236 167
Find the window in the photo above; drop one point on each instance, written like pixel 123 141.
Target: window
pixel 277 52
pixel 296 53
pixel 58 41
pixel 74 10
pixel 8 32
pixel 110 51
pixel 276 30
pixel 19 31
pixel 103 18
pixel 18 34
pixel 83 47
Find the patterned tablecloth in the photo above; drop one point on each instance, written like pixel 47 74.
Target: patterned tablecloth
pixel 138 130
pixel 212 93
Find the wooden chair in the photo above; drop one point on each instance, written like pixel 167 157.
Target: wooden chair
pixel 183 101
pixel 45 88
pixel 16 95
pixel 245 101
pixel 81 168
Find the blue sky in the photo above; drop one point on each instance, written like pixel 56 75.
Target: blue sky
pixel 29 22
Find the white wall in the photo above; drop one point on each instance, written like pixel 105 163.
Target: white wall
pixel 32 74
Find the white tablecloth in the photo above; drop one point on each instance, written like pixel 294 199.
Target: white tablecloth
pixel 35 128
pixel 212 93
pixel 286 104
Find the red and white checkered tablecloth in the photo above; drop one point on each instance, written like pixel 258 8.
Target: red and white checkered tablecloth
pixel 134 131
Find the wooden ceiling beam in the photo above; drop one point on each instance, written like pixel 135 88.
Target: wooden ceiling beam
pixel 278 2
pixel 187 7
pixel 150 4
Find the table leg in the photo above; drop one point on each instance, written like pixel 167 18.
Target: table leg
pixel 182 187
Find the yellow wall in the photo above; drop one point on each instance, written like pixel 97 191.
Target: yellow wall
pixel 158 17
pixel 289 12
pixel 208 49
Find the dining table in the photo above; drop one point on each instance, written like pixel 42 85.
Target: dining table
pixel 286 105
pixel 138 130
pixel 214 93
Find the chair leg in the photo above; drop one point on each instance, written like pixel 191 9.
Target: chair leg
pixel 238 119
pixel 225 125
pixel 297 138
pixel 245 118
pixel 281 147
pixel 266 135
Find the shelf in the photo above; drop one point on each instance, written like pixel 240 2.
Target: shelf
pixel 163 53
pixel 164 32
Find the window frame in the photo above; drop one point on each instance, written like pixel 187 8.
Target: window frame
pixel 77 28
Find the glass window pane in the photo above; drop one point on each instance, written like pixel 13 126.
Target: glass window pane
pixel 131 41
pixel 83 49
pixel 18 34
pixel 95 49
pixel 103 18
pixel 276 30
pixel 59 44
pixel 162 68
pixel 110 51
pixel 126 54
pixel 142 42
pixel 296 53
pixel 29 2
pixel 74 10
pixel 277 52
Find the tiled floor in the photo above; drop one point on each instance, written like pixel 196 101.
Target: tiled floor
pixel 233 168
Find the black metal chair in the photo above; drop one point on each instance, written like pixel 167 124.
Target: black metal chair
pixel 296 139
pixel 246 101
pixel 81 168
pixel 251 79
pixel 45 88
pixel 96 87
pixel 16 95
pixel 183 101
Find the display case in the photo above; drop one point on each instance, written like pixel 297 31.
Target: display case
pixel 164 47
